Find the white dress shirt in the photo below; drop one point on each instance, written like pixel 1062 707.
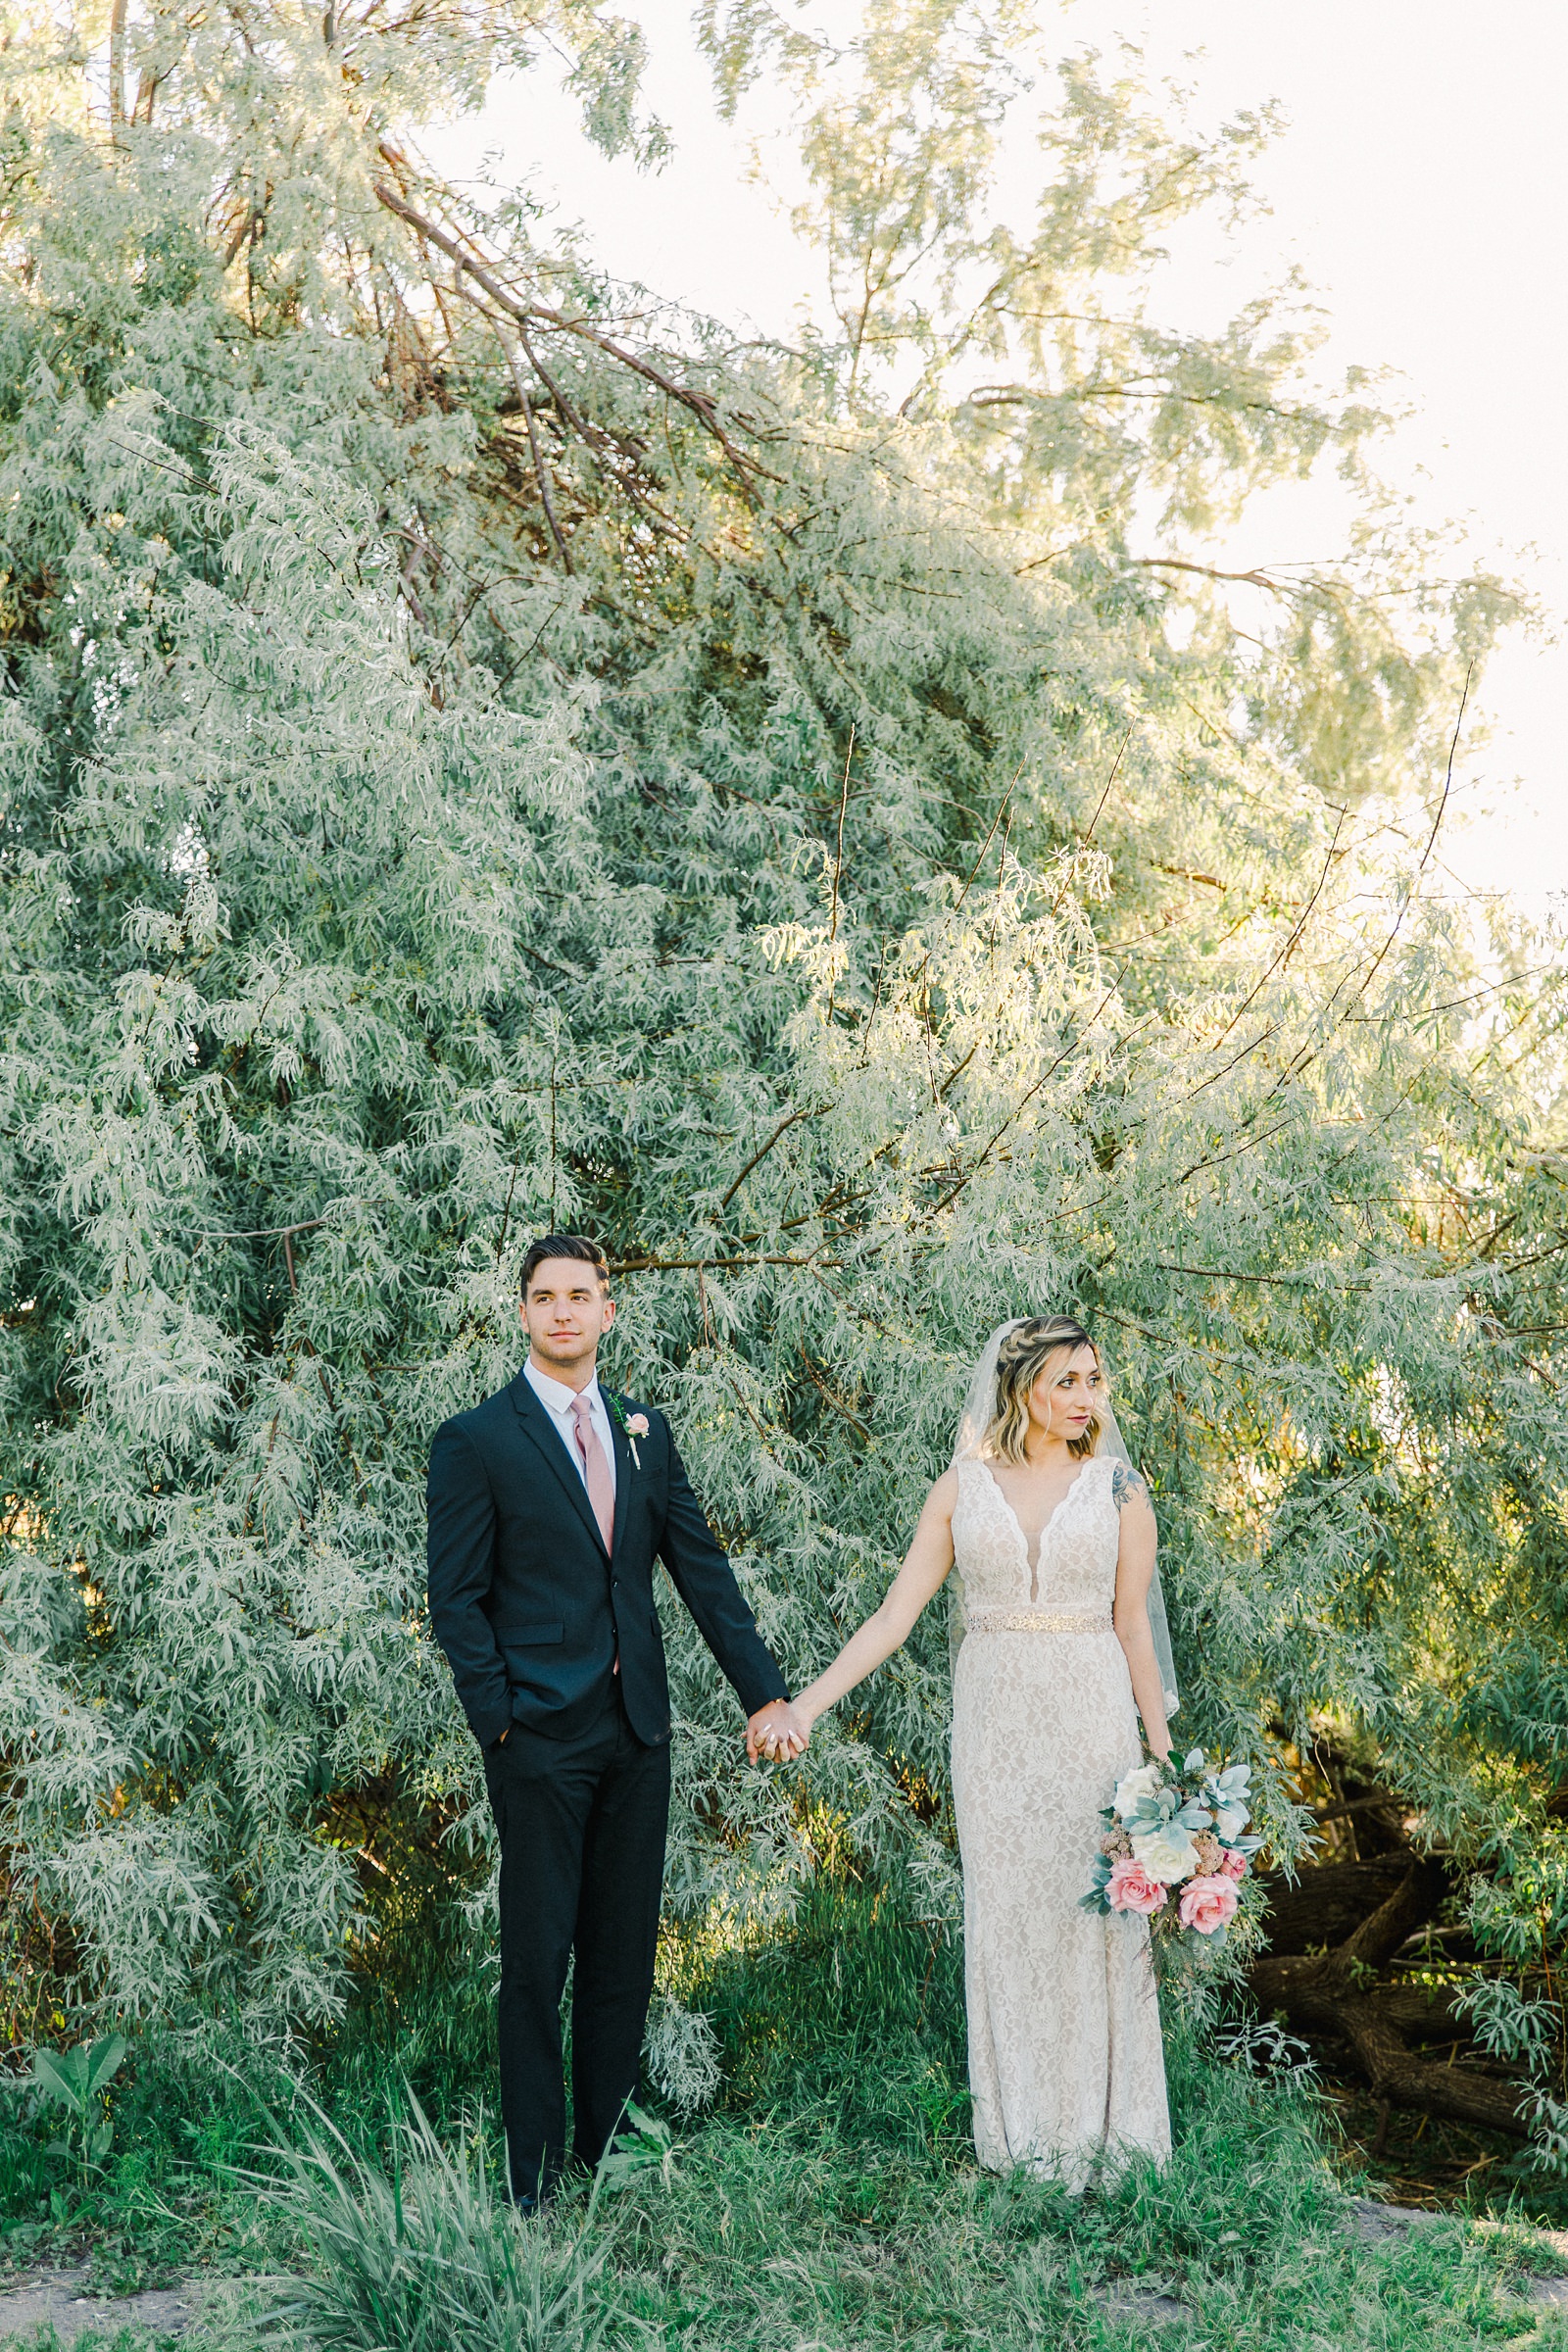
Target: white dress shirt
pixel 557 1400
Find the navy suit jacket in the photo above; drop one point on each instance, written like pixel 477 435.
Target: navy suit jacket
pixel 526 1601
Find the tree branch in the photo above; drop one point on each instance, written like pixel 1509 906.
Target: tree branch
pixel 793 1120
pixel 702 407
pixel 1211 572
pixel 541 469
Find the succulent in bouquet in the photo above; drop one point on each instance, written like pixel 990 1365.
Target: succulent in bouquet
pixel 1175 1847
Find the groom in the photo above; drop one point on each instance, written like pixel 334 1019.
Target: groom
pixel 547 1505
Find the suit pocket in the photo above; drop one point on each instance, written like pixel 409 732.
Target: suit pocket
pixel 524 1637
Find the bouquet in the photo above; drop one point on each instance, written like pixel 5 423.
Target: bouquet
pixel 1175 1834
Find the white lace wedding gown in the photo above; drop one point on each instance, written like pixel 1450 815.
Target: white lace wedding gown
pixel 1065 2062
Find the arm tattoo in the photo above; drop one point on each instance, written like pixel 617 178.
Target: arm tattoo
pixel 1125 1482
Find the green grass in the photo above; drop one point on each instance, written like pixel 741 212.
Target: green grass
pixel 829 2201
pixel 98 2340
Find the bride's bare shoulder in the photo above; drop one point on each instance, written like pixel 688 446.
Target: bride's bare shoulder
pixel 943 1498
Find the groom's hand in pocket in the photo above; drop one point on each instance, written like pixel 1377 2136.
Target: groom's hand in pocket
pixel 777 1734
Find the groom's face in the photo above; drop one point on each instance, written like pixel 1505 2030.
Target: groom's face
pixel 564 1312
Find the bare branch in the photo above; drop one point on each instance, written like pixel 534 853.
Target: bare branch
pixel 1211 572
pixel 1301 925
pixel 702 407
pixel 541 469
pixel 1443 803
pixel 838 864
pixel 794 1120
pixel 1115 771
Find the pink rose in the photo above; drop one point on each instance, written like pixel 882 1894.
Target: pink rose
pixel 1207 1903
pixel 1131 1888
pixel 1233 1865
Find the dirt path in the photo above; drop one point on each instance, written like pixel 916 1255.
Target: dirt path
pixel 62 2296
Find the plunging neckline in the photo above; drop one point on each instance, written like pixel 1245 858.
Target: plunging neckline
pixel 1046 1525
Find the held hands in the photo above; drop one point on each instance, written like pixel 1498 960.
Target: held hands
pixel 777 1733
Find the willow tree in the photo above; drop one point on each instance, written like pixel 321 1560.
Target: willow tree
pixel 483 751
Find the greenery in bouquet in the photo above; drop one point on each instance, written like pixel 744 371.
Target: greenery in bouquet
pixel 1176 1848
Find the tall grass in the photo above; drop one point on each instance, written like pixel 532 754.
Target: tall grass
pixel 830 2200
pixel 420 2255
pixel 777 2230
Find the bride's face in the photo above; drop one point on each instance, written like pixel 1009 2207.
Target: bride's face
pixel 1061 1402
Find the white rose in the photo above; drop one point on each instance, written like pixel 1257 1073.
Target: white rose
pixel 1167 1854
pixel 1140 1784
pixel 1231 1820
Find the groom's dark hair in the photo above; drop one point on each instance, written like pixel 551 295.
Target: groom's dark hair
pixel 564 1244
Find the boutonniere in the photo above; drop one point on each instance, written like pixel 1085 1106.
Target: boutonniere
pixel 635 1426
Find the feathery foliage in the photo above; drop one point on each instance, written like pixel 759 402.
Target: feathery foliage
pixel 481 751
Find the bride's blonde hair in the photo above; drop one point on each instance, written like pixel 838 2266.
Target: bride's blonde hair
pixel 1025 1353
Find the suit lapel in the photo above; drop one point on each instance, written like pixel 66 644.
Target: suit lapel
pixel 537 1425
pixel 624 1472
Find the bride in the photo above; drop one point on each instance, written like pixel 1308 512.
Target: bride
pixel 1048 1532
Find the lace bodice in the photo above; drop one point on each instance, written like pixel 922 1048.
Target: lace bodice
pixel 1076 1566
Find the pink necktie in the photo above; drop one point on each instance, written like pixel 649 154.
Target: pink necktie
pixel 600 1490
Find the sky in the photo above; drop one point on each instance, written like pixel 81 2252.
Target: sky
pixel 1422 186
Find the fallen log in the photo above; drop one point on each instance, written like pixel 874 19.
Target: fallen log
pixel 1326 1903
pixel 1425 2012
pixel 1334 1992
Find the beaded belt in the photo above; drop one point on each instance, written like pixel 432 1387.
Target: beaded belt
pixel 1038 1621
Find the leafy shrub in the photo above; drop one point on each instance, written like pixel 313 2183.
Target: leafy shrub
pixel 75 2083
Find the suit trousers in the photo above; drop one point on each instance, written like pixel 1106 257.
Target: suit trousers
pixel 582 1822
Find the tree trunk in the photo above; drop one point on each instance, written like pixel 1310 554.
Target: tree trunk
pixel 117 69
pixel 1332 1993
